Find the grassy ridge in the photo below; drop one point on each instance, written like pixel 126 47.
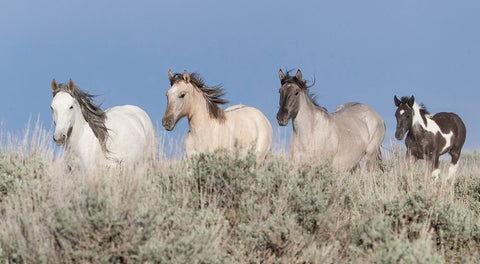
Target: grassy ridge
pixel 216 208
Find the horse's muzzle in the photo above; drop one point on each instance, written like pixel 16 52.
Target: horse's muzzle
pixel 282 122
pixel 399 134
pixel 168 124
pixel 60 139
pixel 282 118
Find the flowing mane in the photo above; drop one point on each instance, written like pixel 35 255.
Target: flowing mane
pixel 213 95
pixel 303 85
pixel 92 112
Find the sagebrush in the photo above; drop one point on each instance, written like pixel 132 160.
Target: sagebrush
pixel 219 208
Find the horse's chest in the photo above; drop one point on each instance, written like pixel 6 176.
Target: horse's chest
pixel 200 142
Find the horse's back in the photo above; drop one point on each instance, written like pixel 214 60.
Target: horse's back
pixel 347 106
pixel 250 124
pixel 250 114
pixel 131 114
pixel 131 133
pixel 448 121
pixel 451 122
pixel 355 114
pixel 361 131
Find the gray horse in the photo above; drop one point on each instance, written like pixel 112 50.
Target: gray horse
pixel 344 137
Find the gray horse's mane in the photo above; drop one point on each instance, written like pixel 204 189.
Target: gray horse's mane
pixel 92 112
pixel 304 86
pixel 213 95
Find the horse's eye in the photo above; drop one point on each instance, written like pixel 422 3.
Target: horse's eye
pixel 71 107
pixel 181 95
pixel 296 93
pixel 408 116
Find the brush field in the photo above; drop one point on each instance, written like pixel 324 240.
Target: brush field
pixel 218 208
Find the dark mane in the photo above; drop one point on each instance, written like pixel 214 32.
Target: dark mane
pixel 303 85
pixel 213 95
pixel 92 113
pixel 422 107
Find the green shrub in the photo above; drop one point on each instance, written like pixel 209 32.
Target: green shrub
pixel 229 208
pixel 14 168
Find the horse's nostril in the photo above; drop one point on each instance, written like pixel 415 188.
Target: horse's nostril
pixel 168 124
pixel 59 139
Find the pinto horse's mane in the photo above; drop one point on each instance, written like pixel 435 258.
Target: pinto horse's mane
pixel 421 107
pixel 92 112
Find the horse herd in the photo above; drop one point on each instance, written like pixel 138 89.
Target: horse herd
pixel 125 134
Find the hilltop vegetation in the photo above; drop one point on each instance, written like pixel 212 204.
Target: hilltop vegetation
pixel 227 209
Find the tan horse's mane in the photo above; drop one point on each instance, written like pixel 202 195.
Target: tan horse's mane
pixel 212 94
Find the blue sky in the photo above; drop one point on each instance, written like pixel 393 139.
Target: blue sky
pixel 365 51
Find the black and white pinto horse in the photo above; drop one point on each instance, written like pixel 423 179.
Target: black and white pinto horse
pixel 429 136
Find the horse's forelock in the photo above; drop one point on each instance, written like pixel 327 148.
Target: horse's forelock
pixel 404 99
pixel 293 79
pixel 177 77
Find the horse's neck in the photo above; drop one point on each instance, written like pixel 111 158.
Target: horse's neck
pixel 199 120
pixel 308 117
pixel 82 138
pixel 419 128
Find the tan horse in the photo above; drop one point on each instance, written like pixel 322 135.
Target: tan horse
pixel 211 127
pixel 344 137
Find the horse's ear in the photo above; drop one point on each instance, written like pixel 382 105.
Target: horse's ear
pixel 411 101
pixel 71 85
pixel 54 85
pixel 186 76
pixel 397 102
pixel 298 75
pixel 281 75
pixel 170 75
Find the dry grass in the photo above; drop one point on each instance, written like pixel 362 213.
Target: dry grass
pixel 229 209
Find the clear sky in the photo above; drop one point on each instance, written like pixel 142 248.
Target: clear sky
pixel 365 51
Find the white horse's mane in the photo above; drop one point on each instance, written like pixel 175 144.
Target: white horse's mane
pixel 92 112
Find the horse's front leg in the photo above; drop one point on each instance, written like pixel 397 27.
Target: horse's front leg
pixel 433 163
pixel 411 157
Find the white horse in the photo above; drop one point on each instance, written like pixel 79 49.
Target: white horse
pixel 121 135
pixel 211 127
pixel 344 137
